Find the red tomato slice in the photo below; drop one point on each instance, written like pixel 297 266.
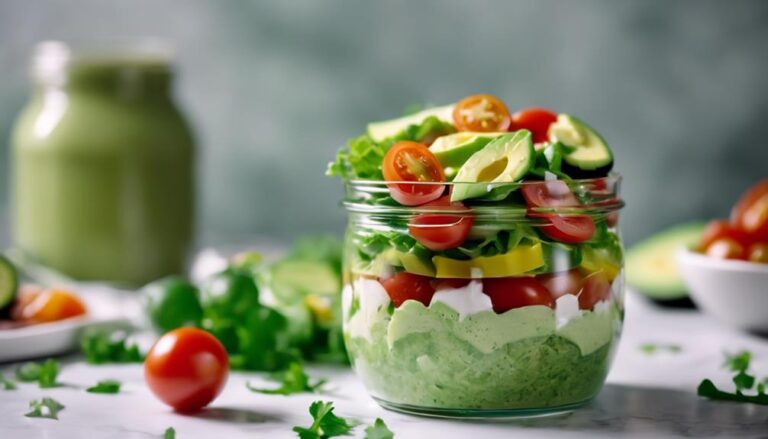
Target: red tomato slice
pixel 515 292
pixel 553 193
pixel 449 283
pixel 411 161
pixel 535 120
pixel 560 284
pixel 408 286
pixel 481 113
pixel 440 232
pixel 572 229
pixel 750 214
pixel 596 288
pixel 187 369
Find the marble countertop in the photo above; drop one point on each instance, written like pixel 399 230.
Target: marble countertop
pixel 647 395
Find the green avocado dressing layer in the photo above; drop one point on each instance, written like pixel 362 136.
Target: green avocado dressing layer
pixel 425 356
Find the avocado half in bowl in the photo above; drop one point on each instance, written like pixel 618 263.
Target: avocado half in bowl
pixel 652 268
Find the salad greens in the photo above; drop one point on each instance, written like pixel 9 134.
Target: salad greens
pixel 43 373
pixel 6 383
pixel 102 347
pixel 325 423
pixel 44 408
pixel 294 380
pixel 743 381
pixel 105 386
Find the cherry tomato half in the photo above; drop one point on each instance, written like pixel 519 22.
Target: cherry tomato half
pixel 408 286
pixel 37 305
pixel 596 288
pixel 750 214
pixel 723 231
pixel 441 231
pixel 515 292
pixel 412 161
pixel 535 120
pixel 186 369
pixel 481 113
pixel 571 229
pixel 560 284
pixel 554 193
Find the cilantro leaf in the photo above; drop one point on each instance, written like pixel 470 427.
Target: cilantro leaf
pixel 44 408
pixel 378 430
pixel 743 381
pixel 294 380
pixel 102 347
pixel 45 374
pixel 325 423
pixel 738 362
pixel 105 386
pixel 652 348
pixel 708 389
pixel 6 383
pixel 170 433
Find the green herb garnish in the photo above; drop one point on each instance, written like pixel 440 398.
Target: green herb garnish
pixel 652 348
pixel 6 383
pixel 44 408
pixel 44 373
pixel 294 380
pixel 378 430
pixel 742 380
pixel 325 423
pixel 102 347
pixel 105 386
pixel 170 433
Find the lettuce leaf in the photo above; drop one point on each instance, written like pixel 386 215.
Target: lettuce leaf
pixel 362 157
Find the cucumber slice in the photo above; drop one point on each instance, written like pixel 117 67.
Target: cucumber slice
pixel 9 282
pixel 388 128
pixel 589 153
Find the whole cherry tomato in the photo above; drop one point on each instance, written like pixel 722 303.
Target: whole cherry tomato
pixel 750 214
pixel 408 286
pixel 535 120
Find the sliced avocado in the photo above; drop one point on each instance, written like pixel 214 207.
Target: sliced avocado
pixel 589 152
pixel 416 264
pixel 294 279
pixel 454 150
pixel 506 159
pixel 388 128
pixel 651 266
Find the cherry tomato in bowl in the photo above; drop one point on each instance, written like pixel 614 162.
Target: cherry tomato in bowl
pixel 412 161
pixel 723 240
pixel 38 305
pixel 408 286
pixel 438 231
pixel 536 120
pixel 750 214
pixel 481 113
pixel 186 369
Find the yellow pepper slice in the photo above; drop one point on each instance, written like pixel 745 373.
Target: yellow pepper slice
pixel 519 260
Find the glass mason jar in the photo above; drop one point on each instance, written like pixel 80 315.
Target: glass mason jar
pixel 103 166
pixel 521 319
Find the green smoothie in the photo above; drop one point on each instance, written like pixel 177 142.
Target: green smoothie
pixel 103 168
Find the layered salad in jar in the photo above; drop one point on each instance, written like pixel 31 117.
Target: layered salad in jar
pixel 483 266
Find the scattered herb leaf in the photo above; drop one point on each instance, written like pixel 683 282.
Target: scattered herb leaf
pixel 45 374
pixel 325 423
pixel 739 364
pixel 294 380
pixel 708 389
pixel 170 433
pixel 44 408
pixel 653 348
pixel 105 386
pixel 6 383
pixel 100 347
pixel 378 430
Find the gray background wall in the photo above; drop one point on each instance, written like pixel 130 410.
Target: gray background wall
pixel 678 88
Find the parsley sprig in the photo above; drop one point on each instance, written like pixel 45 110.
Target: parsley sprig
pixel 105 386
pixel 743 380
pixel 378 430
pixel 44 373
pixel 6 383
pixel 101 347
pixel 44 408
pixel 325 423
pixel 294 380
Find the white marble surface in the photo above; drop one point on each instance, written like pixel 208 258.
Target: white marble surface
pixel 646 397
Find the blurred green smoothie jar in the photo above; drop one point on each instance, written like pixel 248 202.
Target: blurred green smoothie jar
pixel 103 178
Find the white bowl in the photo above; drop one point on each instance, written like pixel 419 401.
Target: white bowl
pixel 735 292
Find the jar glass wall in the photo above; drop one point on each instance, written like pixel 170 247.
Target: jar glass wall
pixel 522 318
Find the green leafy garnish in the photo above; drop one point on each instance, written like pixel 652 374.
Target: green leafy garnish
pixel 325 423
pixel 170 433
pixel 44 408
pixel 105 386
pixel 294 380
pixel 44 373
pixel 102 347
pixel 742 380
pixel 378 430
pixel 6 383
pixel 653 348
